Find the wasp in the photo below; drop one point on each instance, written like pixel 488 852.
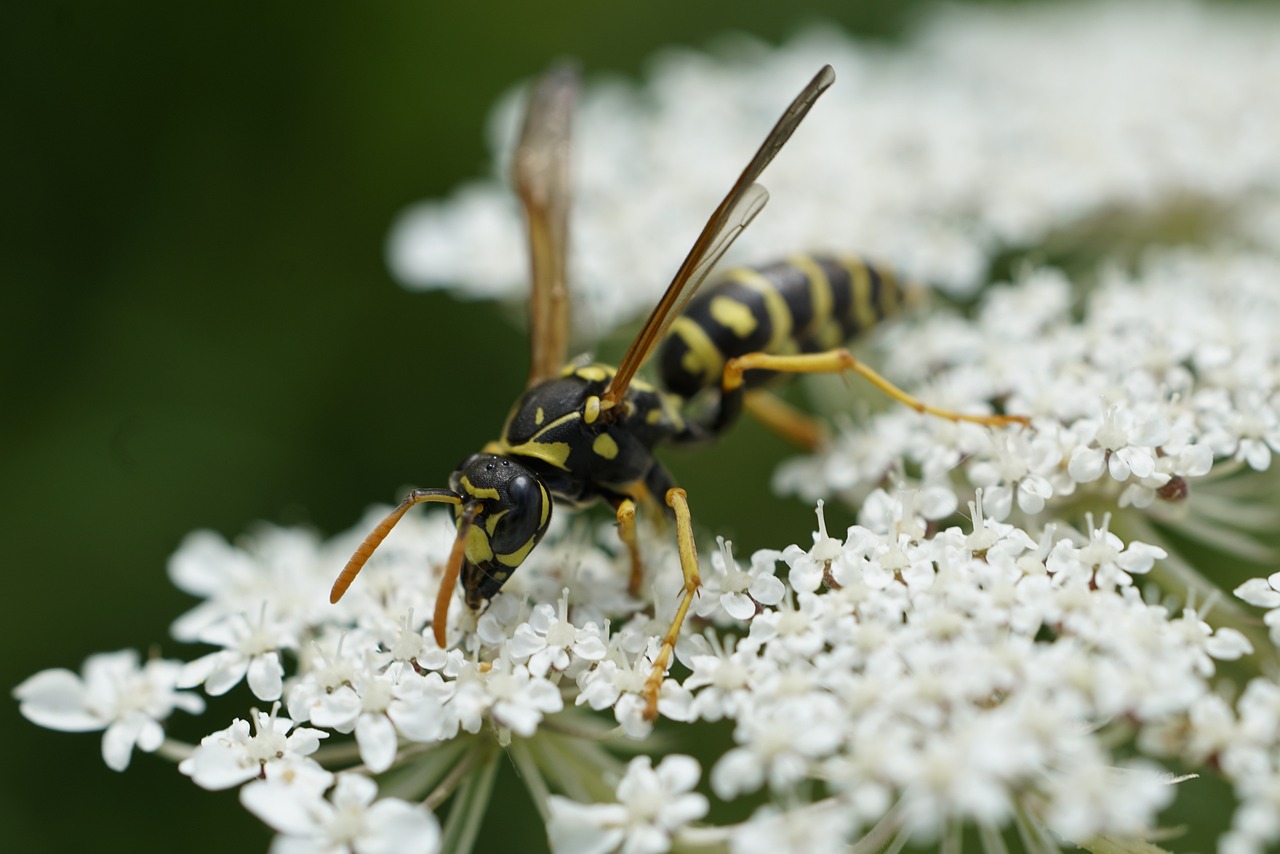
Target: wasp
pixel 585 433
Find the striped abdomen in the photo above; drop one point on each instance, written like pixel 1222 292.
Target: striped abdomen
pixel 806 304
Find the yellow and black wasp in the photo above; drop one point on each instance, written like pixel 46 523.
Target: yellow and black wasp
pixel 585 433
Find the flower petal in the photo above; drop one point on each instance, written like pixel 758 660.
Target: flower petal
pixel 57 699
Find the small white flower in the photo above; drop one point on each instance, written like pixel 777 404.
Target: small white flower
pixel 732 592
pixel 549 641
pixel 351 821
pixel 250 649
pixel 115 694
pixel 1094 797
pixel 1264 593
pixel 275 565
pixel 517 699
pixel 272 747
pixel 816 829
pixel 1247 429
pixel 780 741
pixel 1124 443
pixel 1017 468
pixel 724 676
pixel 1105 561
pixel 654 804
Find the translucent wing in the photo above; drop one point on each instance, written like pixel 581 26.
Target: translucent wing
pixel 541 172
pixel 738 208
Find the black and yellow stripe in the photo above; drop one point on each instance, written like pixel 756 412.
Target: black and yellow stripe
pixel 805 304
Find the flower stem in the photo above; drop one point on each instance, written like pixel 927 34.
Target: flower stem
pixel 445 787
pixel 176 750
pixel 532 776
pixel 472 801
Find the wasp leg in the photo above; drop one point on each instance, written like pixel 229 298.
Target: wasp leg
pixel 677 500
pixel 626 512
pixel 640 496
pixel 839 361
pixel 800 429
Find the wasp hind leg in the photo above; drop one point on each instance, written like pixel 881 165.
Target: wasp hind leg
pixel 837 362
pixel 782 419
pixel 677 500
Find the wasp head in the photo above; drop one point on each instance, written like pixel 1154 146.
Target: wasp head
pixel 511 508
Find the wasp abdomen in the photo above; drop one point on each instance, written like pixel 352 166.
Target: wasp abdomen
pixel 805 304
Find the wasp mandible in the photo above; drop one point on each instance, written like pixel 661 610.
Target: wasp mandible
pixel 584 433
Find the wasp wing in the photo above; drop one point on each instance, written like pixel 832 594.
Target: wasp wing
pixel 745 199
pixel 541 172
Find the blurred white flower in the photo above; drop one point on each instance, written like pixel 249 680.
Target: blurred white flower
pixel 116 694
pixel 653 805
pixel 351 821
pixel 945 159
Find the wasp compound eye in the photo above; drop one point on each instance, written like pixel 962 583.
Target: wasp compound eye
pixel 527 515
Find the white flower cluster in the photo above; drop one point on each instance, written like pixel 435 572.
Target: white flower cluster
pixel 958 677
pixel 990 131
pixel 1029 671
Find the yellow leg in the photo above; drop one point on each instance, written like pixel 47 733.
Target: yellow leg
pixel 677 500
pixel 800 429
pixel 839 361
pixel 626 512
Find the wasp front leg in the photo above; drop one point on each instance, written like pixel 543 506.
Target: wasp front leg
pixel 625 509
pixel 640 496
pixel 677 500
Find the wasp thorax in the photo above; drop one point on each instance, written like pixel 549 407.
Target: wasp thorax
pixel 514 510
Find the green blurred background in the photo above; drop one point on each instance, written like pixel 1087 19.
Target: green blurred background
pixel 200 331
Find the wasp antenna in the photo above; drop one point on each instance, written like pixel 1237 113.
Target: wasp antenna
pixel 378 534
pixel 439 623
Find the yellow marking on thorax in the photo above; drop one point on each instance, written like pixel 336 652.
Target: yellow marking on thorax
pixel 475 492
pixel 539 416
pixel 864 310
pixel 775 306
pixel 820 295
pixel 733 315
pixel 554 453
pixel 703 358
pixel 605 446
pixel 593 373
